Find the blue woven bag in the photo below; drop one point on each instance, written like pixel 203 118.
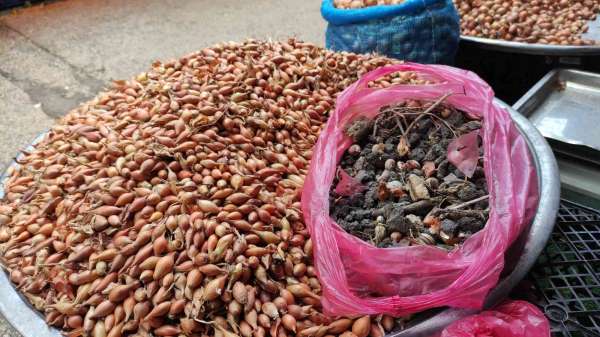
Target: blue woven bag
pixel 424 31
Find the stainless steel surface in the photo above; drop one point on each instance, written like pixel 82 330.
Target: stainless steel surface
pixel 564 106
pixel 539 232
pixel 542 49
pixel 31 324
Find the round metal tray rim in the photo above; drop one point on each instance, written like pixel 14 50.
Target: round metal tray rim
pixel 532 48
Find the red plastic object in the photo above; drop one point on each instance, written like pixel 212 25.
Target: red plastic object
pixel 510 319
pixel 463 152
pixel 358 278
pixel 347 185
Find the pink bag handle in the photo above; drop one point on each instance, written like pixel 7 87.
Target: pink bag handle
pixel 442 78
pixel 457 82
pixel 404 67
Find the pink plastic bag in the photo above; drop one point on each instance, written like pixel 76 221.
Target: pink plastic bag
pixel 463 153
pixel 510 319
pixel 347 185
pixel 412 279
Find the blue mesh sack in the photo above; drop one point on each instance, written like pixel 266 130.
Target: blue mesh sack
pixel 425 31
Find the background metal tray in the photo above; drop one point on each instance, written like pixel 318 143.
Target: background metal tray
pixel 541 49
pixel 563 105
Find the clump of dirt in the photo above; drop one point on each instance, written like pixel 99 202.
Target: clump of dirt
pixel 395 185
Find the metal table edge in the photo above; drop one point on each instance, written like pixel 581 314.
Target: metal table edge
pixel 521 105
pixel 528 101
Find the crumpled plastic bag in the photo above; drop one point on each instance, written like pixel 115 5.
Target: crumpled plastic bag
pixel 412 279
pixel 463 152
pixel 510 319
pixel 347 185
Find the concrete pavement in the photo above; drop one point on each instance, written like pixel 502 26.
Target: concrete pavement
pixel 59 54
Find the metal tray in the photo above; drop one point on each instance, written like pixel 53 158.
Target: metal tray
pixel 30 323
pixel 563 105
pixel 541 49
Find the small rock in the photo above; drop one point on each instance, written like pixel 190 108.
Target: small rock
pixel 361 176
pixel 371 198
pixel 432 183
pixel 384 176
pixel 360 164
pixel 390 164
pixel 354 150
pixel 417 154
pixel 468 192
pixel 451 178
pixel 378 148
pixel 449 226
pixel 469 224
pixel 394 184
pixel 396 221
pixel 416 188
pixel 414 220
pixel 358 129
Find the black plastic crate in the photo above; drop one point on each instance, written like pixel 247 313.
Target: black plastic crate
pixel 567 274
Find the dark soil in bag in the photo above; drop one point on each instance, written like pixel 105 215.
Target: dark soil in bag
pixel 395 185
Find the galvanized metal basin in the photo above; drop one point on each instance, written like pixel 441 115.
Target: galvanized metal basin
pixel 541 49
pixel 533 241
pixel 30 323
